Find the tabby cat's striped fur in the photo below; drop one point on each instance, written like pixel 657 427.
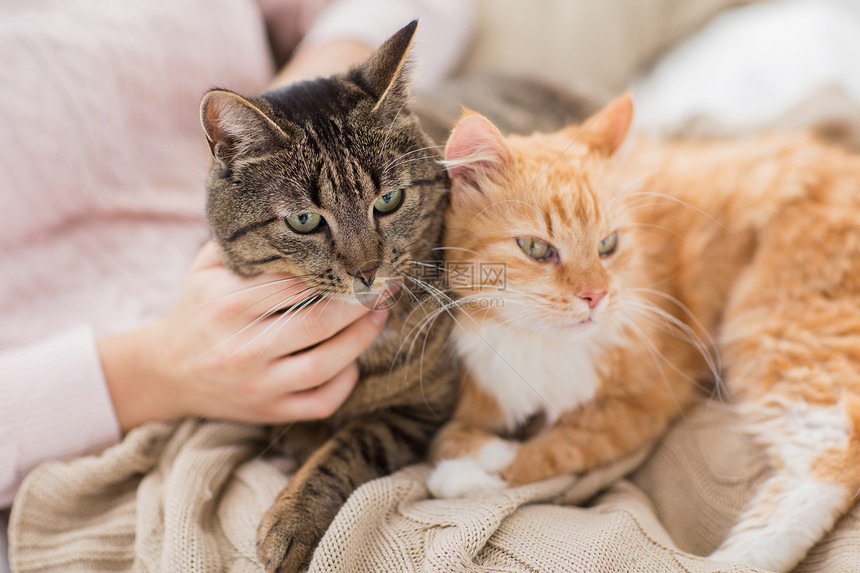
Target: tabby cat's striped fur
pixel 336 147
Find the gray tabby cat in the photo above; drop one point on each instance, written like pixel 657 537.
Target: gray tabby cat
pixel 334 180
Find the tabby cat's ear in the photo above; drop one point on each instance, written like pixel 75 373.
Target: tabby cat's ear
pixel 476 150
pixel 385 74
pixel 605 130
pixel 236 128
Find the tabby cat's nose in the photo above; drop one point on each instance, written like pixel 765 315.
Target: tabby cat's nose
pixel 367 276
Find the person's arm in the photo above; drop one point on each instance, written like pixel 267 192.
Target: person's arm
pixel 347 31
pixel 319 60
pixel 53 404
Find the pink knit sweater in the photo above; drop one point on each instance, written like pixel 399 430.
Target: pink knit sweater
pixel 102 182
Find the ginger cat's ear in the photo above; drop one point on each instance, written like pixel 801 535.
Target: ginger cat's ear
pixel 605 130
pixel 476 150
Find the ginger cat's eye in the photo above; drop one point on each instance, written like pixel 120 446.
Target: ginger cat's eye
pixel 304 222
pixel 389 202
pixel 536 249
pixel 608 245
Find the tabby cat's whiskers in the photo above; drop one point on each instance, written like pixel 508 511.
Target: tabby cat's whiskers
pixel 394 162
pixel 388 131
pixel 279 322
pixel 288 312
pixel 274 309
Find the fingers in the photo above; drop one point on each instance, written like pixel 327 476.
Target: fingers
pixel 297 317
pixel 208 256
pixel 319 402
pixel 223 283
pixel 258 352
pixel 236 298
pixel 313 367
pixel 232 300
pixel 317 323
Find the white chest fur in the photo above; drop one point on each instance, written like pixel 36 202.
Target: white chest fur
pixel 529 373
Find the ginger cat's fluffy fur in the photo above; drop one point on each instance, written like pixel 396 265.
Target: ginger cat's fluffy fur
pixel 634 277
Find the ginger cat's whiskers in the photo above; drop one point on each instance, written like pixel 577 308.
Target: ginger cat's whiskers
pixel 590 122
pixel 662 320
pixel 470 251
pixel 708 347
pixel 687 205
pixel 657 357
pixel 628 190
pixel 714 359
pixel 647 226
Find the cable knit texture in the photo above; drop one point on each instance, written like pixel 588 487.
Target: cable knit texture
pixel 188 497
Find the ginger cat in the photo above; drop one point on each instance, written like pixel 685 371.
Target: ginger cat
pixel 633 277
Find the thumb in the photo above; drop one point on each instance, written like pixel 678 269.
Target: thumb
pixel 209 256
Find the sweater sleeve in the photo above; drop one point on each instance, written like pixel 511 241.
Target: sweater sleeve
pixel 444 30
pixel 54 404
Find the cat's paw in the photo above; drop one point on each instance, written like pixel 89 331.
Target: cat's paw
pixel 496 455
pixel 462 477
pixel 534 464
pixel 285 541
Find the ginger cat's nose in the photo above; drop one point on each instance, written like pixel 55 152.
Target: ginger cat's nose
pixel 592 297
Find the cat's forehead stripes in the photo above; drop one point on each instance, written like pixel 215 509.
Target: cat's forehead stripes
pixel 339 179
pixel 548 222
pixel 565 200
pixel 555 166
pixel 586 203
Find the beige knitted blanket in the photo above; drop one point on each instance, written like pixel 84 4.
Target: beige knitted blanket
pixel 188 497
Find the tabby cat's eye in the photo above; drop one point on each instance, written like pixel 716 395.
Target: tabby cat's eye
pixel 304 222
pixel 536 249
pixel 608 245
pixel 389 202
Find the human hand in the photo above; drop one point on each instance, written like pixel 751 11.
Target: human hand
pixel 224 351
pixel 316 61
